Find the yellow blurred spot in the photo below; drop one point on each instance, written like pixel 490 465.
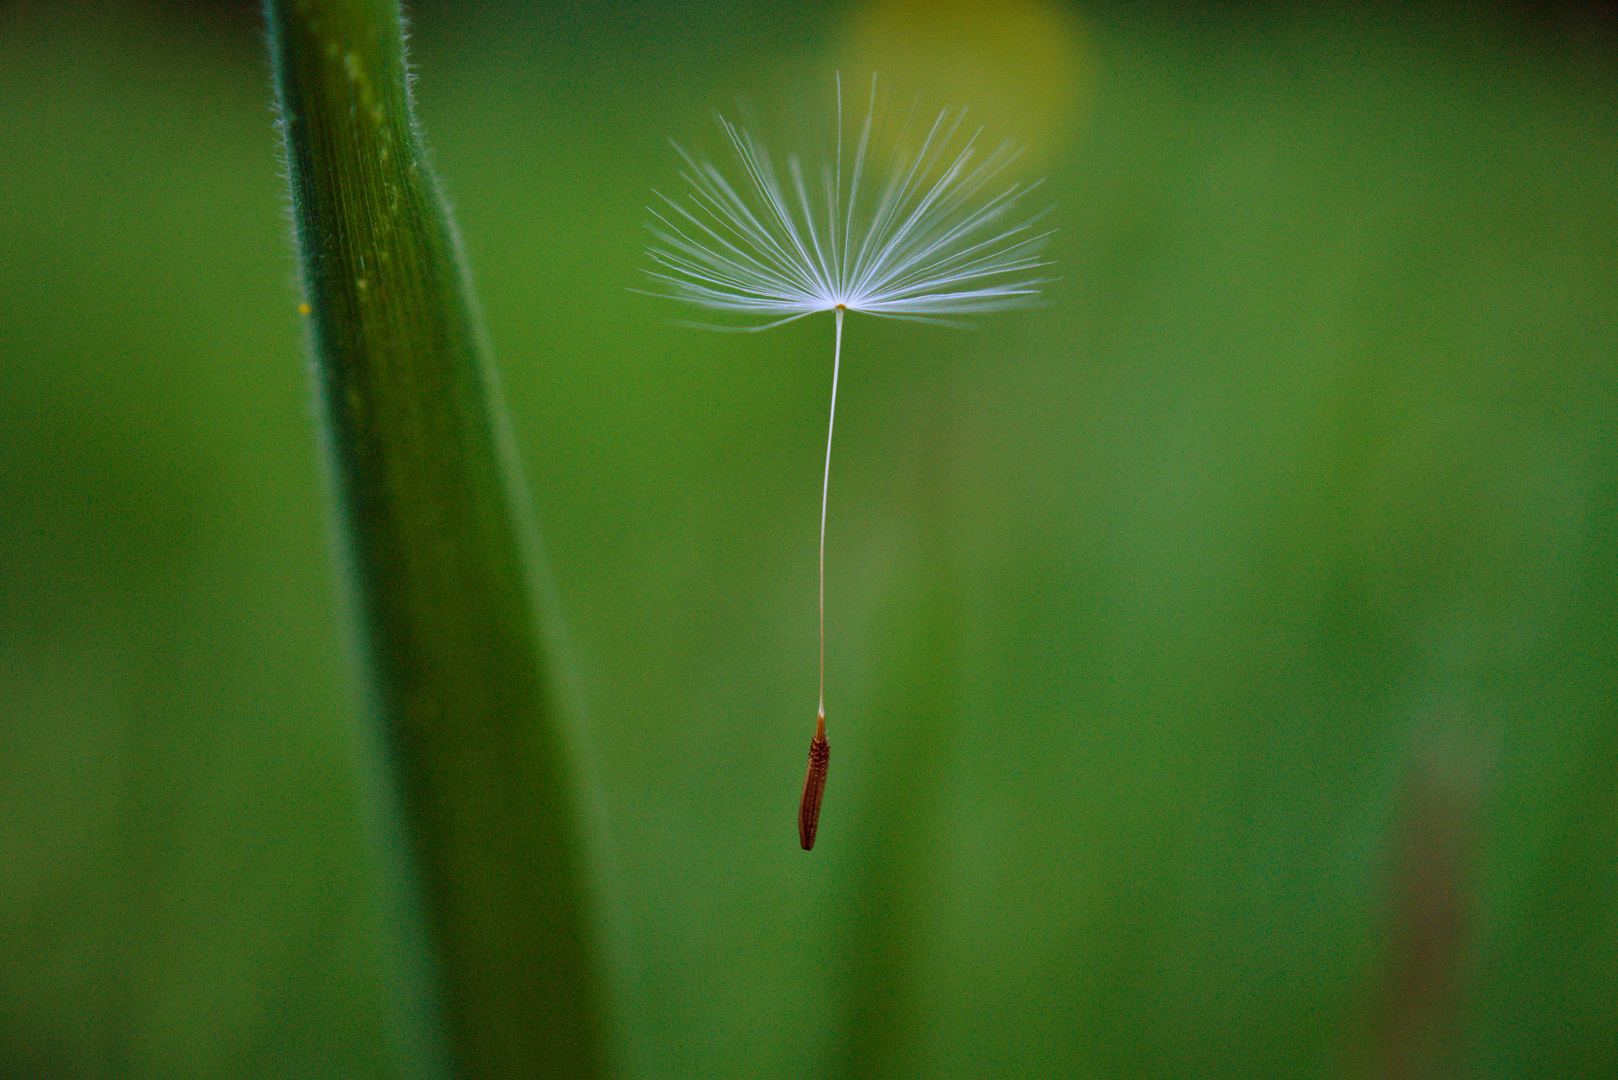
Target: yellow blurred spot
pixel 303 309
pixel 1018 65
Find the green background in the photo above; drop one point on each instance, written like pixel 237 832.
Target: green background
pixel 1155 617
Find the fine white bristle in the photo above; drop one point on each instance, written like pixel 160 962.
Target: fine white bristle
pixel 914 238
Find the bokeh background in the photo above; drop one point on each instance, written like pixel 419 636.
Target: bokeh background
pixel 1223 665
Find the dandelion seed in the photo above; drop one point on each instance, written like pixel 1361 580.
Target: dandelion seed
pixel 913 237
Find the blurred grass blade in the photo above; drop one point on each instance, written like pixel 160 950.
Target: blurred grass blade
pixel 440 566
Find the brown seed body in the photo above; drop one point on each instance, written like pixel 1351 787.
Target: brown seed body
pixel 814 786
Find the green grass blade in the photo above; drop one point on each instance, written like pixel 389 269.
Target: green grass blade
pixel 439 562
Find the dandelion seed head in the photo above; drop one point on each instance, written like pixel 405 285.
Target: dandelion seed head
pixel 924 228
pixel 923 234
